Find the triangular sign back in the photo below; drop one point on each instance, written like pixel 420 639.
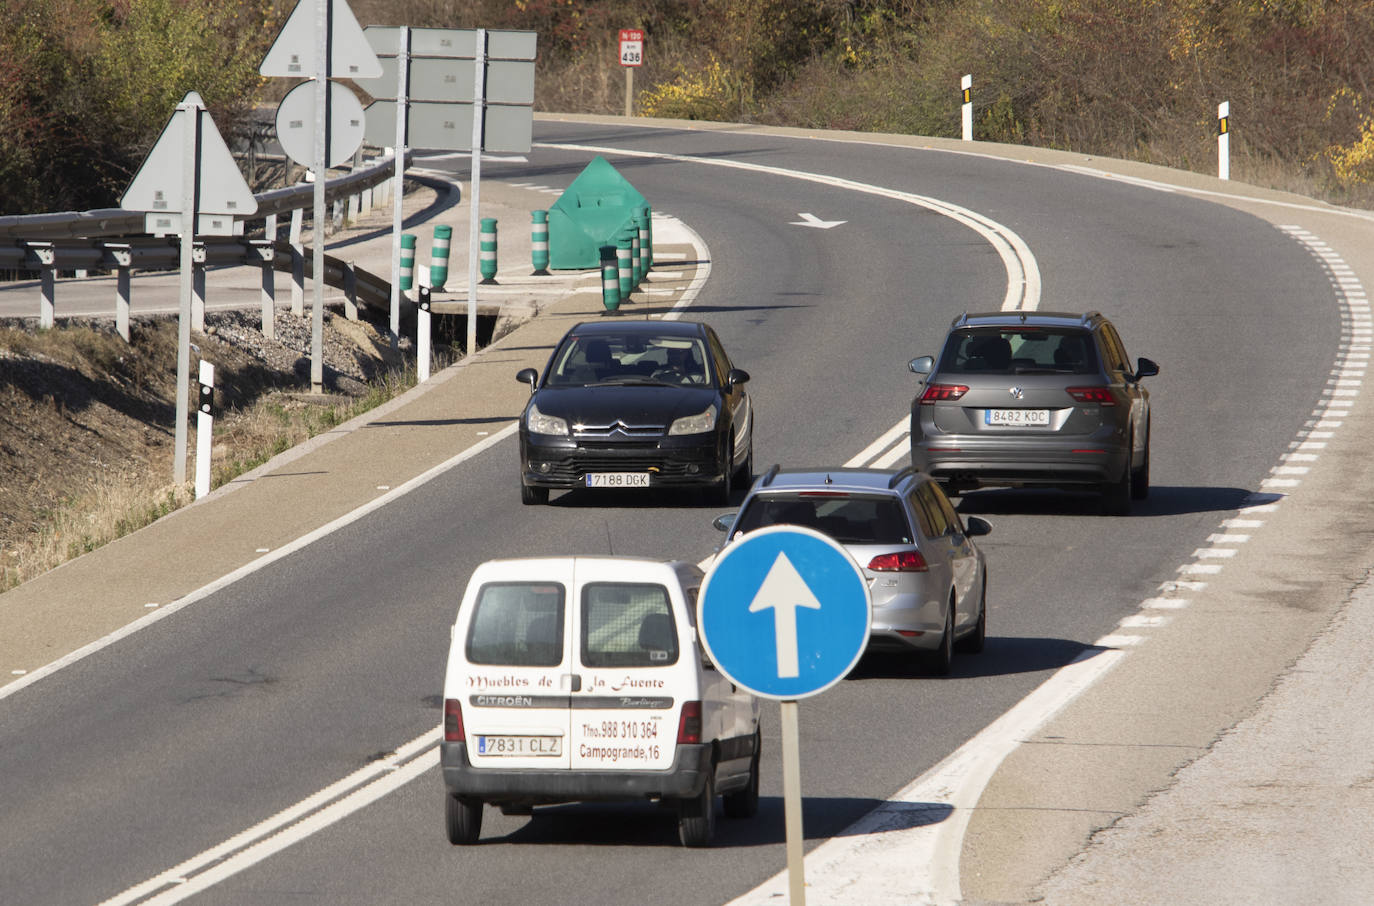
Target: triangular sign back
pixel 157 186
pixel 293 53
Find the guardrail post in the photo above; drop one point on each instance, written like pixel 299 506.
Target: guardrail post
pixel 610 279
pixel 350 289
pixel 407 276
pixel 539 242
pixel 268 253
pixel 488 250
pixel 438 256
pixel 47 283
pixel 337 217
pixel 123 261
pixel 198 288
pixel 297 264
pixel 624 265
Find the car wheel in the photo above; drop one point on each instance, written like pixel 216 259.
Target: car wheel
pixel 726 489
pixel 1116 495
pixel 1140 478
pixel 973 642
pixel 464 819
pixel 532 496
pixel 745 803
pixel 745 475
pixel 696 817
pixel 943 657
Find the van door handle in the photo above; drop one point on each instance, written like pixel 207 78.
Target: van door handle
pixel 573 682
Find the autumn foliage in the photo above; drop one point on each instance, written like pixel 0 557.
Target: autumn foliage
pixel 86 84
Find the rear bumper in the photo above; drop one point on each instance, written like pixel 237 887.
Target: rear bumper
pixel 970 462
pixel 684 779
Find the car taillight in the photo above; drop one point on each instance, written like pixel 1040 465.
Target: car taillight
pixel 901 562
pixel 453 721
pixel 942 393
pixel 1100 395
pixel 689 725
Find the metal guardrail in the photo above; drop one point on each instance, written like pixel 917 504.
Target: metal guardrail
pixel 72 241
pixel 119 222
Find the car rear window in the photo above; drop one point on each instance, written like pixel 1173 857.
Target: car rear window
pixel 1019 350
pixel 627 625
pixel 517 624
pixel 848 518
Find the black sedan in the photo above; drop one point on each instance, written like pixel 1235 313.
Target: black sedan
pixel 636 404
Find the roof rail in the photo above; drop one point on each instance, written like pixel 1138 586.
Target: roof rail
pixel 901 476
pixel 770 475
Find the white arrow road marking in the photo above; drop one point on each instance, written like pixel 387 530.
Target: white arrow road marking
pixel 811 220
pixel 784 590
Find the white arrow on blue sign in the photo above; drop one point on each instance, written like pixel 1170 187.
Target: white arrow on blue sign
pixel 784 612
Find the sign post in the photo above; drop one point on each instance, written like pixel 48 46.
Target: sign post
pixel 631 56
pixel 189 183
pixel 784 613
pixel 454 90
pixel 321 46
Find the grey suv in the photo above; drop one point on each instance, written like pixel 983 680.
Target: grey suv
pixel 1035 398
pixel 927 579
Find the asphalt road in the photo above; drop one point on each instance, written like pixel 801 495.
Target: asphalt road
pixel 191 731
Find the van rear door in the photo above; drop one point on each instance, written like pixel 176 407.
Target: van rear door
pixel 634 675
pixel 518 663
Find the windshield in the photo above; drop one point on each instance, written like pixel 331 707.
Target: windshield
pixel 601 359
pixel 1018 350
pixel 848 518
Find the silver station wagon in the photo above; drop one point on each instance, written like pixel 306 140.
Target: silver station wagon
pixel 926 577
pixel 1023 399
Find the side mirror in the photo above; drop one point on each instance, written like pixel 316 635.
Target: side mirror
pixel 1145 368
pixel 722 523
pixel 921 365
pixel 736 376
pixel 977 527
pixel 528 376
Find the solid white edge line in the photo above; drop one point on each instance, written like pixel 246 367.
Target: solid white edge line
pixel 926 819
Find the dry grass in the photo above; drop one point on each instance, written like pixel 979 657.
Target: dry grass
pixel 115 506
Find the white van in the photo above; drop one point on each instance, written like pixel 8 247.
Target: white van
pixel 582 678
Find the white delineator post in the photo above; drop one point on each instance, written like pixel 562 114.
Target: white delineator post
pixel 966 88
pixel 1224 140
pixel 205 428
pixel 422 336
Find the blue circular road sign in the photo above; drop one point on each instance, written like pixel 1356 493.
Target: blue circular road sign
pixel 784 612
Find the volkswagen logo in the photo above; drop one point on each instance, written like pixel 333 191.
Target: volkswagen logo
pixel 1016 392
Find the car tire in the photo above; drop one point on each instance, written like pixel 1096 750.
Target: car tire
pixel 943 657
pixel 532 496
pixel 463 817
pixel 745 476
pixel 1140 478
pixel 726 489
pixel 696 817
pixel 745 802
pixel 1116 495
pixel 974 641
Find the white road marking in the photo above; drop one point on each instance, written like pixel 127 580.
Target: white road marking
pixel 873 858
